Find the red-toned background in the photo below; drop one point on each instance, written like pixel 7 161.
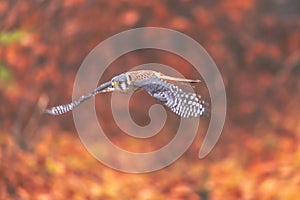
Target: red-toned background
pixel 254 43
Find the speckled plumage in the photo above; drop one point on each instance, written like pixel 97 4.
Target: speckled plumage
pixel 184 104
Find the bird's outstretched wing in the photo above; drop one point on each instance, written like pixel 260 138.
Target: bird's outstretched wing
pixel 61 109
pixel 184 104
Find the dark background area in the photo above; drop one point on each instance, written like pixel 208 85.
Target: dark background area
pixel 255 45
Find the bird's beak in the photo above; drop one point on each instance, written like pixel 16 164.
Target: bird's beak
pixel 105 87
pixel 108 89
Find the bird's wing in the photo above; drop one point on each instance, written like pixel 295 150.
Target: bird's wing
pixel 61 109
pixel 184 104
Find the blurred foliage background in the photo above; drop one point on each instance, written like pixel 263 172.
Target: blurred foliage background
pixel 254 43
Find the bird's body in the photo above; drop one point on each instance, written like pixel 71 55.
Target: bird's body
pixel 184 104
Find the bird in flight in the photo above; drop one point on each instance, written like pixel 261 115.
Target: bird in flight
pixel 158 85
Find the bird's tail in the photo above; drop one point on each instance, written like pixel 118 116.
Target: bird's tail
pixel 170 78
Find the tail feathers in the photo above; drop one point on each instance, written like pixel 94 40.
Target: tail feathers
pixel 170 78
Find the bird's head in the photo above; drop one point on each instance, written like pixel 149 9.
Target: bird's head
pixel 120 83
